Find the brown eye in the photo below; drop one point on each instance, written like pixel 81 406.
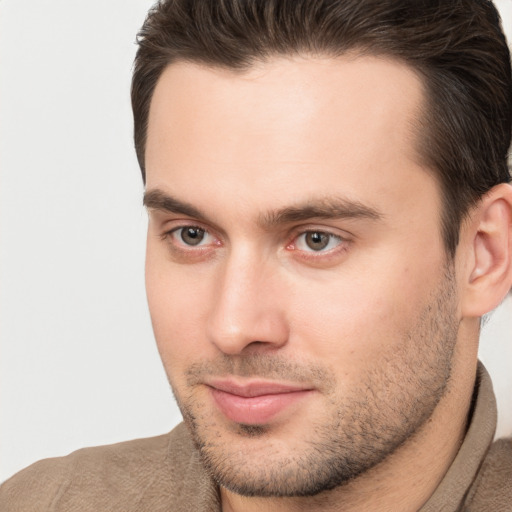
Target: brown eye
pixel 192 235
pixel 317 240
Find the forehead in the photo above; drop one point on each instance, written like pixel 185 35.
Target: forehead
pixel 284 127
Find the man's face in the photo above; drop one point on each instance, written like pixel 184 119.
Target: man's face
pixel 300 294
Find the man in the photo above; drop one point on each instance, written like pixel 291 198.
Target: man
pixel 330 218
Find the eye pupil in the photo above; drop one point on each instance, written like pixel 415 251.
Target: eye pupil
pixel 192 236
pixel 317 240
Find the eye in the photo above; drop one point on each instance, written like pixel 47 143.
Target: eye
pixel 317 241
pixel 191 236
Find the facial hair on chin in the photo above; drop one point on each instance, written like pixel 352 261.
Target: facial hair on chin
pixel 395 398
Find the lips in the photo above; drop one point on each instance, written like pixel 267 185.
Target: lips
pixel 255 403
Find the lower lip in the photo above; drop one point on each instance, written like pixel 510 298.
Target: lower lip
pixel 257 410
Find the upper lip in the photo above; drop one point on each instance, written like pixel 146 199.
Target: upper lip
pixel 254 388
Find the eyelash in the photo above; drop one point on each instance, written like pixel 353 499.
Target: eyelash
pixel 319 235
pixel 323 257
pixel 176 231
pixel 184 250
pixel 181 247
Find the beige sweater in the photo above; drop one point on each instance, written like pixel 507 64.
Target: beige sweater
pixel 165 474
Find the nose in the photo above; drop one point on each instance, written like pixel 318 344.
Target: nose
pixel 249 312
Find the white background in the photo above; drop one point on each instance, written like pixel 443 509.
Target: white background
pixel 78 364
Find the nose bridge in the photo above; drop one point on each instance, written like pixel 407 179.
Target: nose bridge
pixel 246 308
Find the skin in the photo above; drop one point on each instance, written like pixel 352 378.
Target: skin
pixel 373 325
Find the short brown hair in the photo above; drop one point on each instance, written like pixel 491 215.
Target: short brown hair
pixel 457 46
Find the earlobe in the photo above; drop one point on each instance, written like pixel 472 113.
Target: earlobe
pixel 489 275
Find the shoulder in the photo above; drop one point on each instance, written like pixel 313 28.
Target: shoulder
pixel 492 489
pixel 142 474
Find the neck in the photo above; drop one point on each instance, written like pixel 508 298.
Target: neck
pixel 407 478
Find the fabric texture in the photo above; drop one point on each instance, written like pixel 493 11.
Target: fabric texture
pixel 164 473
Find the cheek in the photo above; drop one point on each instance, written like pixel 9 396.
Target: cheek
pixel 354 322
pixel 178 304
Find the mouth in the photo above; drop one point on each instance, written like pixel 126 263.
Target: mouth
pixel 255 402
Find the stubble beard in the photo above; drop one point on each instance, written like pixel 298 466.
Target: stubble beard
pixel 394 400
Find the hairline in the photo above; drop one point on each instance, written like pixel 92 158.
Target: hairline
pixel 419 122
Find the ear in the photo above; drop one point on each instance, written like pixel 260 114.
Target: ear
pixel 488 240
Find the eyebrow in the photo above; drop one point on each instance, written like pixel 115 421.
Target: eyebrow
pixel 160 201
pixel 322 208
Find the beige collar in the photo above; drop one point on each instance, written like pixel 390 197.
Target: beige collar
pixel 450 494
